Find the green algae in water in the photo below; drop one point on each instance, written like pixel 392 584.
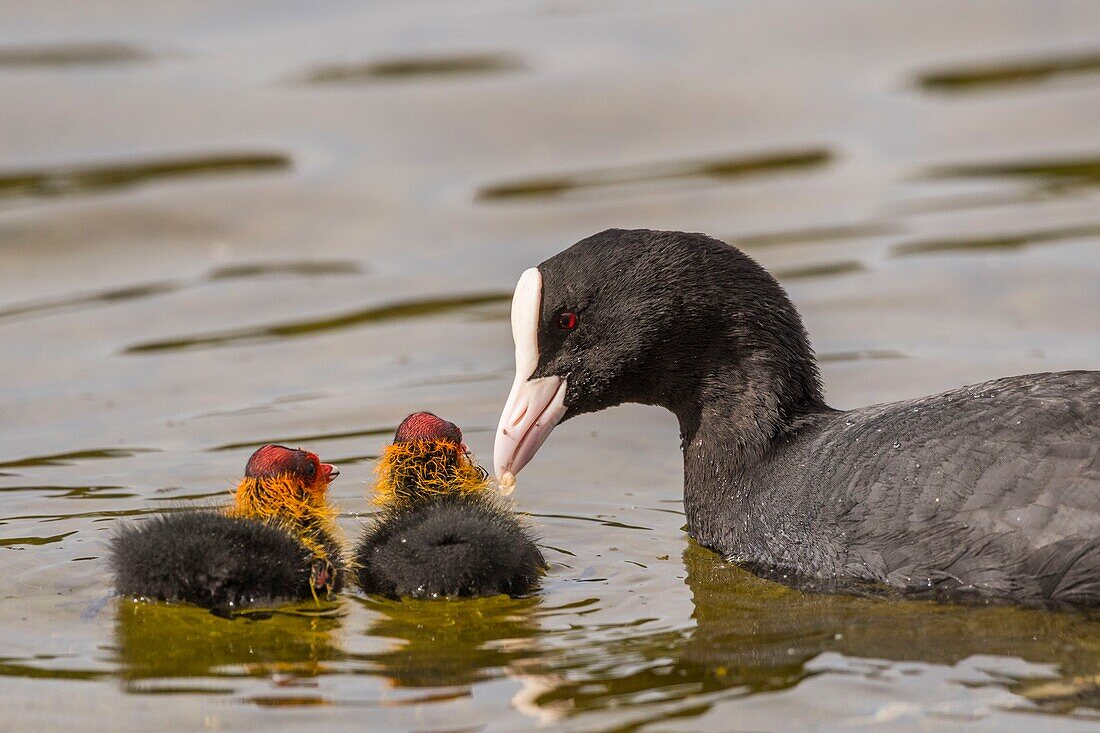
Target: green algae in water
pixel 442 643
pixel 156 640
pixel 753 635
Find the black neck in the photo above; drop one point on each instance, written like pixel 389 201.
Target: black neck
pixel 730 422
pixel 744 390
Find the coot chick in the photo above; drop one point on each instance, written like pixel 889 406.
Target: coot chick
pixel 277 542
pixel 990 491
pixel 442 531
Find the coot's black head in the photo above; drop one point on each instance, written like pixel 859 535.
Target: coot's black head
pixel 649 317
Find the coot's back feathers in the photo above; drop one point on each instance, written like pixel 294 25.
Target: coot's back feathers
pixel 991 491
pixel 212 560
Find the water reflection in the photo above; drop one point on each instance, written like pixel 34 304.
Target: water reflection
pixel 752 635
pixel 747 621
pixel 749 635
pixel 160 642
pixel 454 642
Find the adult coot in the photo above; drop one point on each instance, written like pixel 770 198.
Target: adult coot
pixel 442 531
pixel 277 542
pixel 990 491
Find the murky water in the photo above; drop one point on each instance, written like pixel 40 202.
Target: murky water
pixel 226 224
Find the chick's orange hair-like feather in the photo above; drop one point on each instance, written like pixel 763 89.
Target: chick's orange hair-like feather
pixel 412 471
pixel 286 500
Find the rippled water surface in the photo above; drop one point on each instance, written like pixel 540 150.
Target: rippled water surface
pixel 223 224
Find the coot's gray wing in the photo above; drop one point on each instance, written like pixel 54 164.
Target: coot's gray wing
pixel 990 489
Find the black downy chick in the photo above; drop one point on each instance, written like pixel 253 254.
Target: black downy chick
pixel 278 542
pixel 442 530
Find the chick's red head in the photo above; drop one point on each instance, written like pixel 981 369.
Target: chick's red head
pixel 428 428
pixel 271 461
pixel 426 459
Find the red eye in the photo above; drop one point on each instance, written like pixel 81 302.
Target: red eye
pixel 567 321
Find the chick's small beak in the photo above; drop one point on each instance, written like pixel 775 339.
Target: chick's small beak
pixel 329 471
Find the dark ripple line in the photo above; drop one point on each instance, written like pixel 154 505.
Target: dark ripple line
pixel 317 437
pixel 403 68
pixel 982 77
pixel 65 459
pixel 861 355
pixel 68 181
pixel 73 54
pixel 597 520
pixel 34 541
pixel 1079 170
pixel 828 269
pixel 9 669
pixel 995 243
pixel 730 167
pixel 305 439
pixel 113 295
pixel 141 291
pixel 273 332
pixel 45 518
pixel 840 232
pixel 67 491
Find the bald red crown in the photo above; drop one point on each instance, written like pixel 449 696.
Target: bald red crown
pixel 276 460
pixel 424 426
